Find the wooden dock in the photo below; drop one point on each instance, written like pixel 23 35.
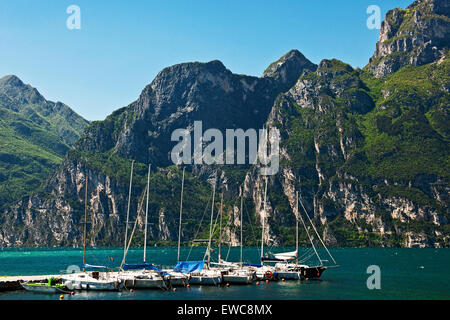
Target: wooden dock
pixel 11 283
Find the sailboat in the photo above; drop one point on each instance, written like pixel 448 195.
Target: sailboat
pixel 233 272
pixel 144 275
pixel 284 269
pixel 263 272
pixel 288 265
pixel 94 280
pixel 195 269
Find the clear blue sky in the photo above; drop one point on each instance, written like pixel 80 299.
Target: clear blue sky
pixel 122 45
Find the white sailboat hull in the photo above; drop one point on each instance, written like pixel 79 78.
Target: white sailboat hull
pixel 144 283
pixel 88 285
pixel 239 279
pixel 291 271
pixel 177 279
pixel 142 280
pixel 238 276
pixel 205 279
pixel 86 282
pixel 266 273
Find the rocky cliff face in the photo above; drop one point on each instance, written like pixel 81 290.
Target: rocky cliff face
pixel 35 134
pixel 55 216
pixel 350 188
pixel 178 96
pixel 285 70
pixel 417 35
pixel 327 120
pixel 369 156
pixel 185 93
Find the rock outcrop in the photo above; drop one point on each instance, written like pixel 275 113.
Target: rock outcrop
pixel 417 35
pixel 286 69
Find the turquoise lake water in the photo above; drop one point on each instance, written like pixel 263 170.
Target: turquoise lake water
pixel 405 274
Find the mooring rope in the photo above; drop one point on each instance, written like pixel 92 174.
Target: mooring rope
pixel 320 239
pixel 134 228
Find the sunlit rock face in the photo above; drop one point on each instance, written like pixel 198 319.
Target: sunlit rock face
pixel 417 35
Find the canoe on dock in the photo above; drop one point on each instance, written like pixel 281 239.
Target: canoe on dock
pixel 11 283
pixel 40 287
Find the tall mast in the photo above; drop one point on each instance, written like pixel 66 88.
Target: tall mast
pixel 128 210
pixel 85 220
pixel 265 196
pixel 211 222
pixel 296 225
pixel 220 224
pixel 263 221
pixel 146 211
pixel 307 233
pixel 181 213
pixel 318 236
pixel 242 216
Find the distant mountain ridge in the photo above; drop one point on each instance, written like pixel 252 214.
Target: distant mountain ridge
pixel 367 149
pixel 35 135
pixel 55 116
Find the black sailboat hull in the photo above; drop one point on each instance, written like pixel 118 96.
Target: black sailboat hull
pixel 300 273
pixel 312 272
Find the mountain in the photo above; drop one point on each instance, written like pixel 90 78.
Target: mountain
pixel 182 94
pixel 178 96
pixel 35 136
pixel 370 157
pixel 417 35
pixel 367 149
pixel 286 68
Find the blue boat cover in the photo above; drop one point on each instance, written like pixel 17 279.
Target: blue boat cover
pixel 189 266
pixel 252 265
